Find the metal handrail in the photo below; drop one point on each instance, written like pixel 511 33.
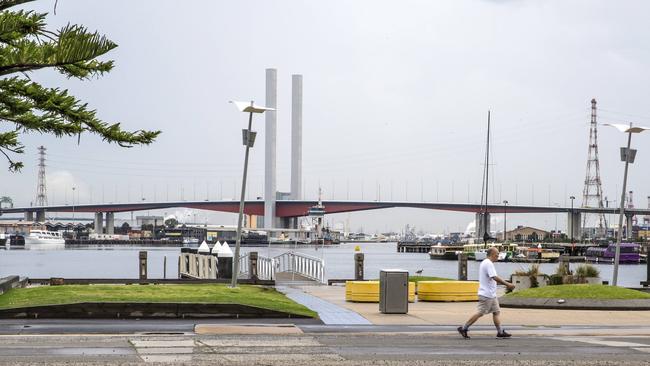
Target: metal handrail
pixel 302 264
pixel 265 267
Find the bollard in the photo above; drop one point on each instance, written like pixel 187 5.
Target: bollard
pixel 165 267
pixel 462 266
pixel 358 266
pixel 252 265
pixel 143 265
pixel 646 283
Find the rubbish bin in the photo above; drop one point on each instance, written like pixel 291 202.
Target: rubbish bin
pixel 393 291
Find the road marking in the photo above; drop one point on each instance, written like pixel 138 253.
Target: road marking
pixel 602 342
pixel 282 342
pixel 291 349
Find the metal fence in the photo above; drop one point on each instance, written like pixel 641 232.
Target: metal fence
pixel 265 267
pixel 302 264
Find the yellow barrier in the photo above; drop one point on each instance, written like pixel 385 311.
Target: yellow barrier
pixel 448 291
pixel 368 291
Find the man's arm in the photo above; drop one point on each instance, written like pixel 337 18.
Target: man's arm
pixel 501 281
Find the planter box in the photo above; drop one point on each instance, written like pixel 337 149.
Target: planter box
pixel 593 280
pixel 520 282
pixel 542 280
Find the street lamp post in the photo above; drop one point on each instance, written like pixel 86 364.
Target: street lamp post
pixel 505 205
pixel 627 155
pixel 248 140
pixel 73 188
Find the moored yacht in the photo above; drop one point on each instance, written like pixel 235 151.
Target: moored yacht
pixel 44 237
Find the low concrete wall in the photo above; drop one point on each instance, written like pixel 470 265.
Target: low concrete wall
pixel 132 281
pixel 108 310
pixel 7 283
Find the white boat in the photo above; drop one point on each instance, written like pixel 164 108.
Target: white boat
pixel 44 237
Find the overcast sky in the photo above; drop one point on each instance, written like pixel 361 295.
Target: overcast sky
pixel 395 101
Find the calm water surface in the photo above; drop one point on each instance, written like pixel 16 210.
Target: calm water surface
pixel 121 262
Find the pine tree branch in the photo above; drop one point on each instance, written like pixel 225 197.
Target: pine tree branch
pixel 5 4
pixel 25 46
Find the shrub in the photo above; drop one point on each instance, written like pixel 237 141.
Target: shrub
pixel 587 270
pixel 562 271
pixel 555 279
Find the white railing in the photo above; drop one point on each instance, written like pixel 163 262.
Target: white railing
pixel 243 266
pixel 302 264
pixel 265 267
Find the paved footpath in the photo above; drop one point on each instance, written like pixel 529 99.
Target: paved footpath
pixel 450 313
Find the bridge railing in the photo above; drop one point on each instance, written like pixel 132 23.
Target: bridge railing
pixel 302 264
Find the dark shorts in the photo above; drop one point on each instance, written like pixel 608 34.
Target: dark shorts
pixel 488 305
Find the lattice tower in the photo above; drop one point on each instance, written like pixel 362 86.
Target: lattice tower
pixel 41 189
pixel 592 195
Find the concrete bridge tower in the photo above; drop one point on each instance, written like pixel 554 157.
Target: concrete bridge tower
pixel 270 148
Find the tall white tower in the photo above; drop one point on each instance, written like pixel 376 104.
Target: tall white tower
pixel 296 137
pixel 269 148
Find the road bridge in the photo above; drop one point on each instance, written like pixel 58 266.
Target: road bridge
pixel 286 209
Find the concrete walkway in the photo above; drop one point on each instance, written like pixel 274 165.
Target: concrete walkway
pixel 328 312
pixel 456 313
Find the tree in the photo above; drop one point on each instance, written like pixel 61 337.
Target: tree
pixel 27 46
pixel 171 222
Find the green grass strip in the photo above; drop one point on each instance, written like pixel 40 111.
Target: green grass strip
pixel 427 278
pixel 596 292
pixel 263 297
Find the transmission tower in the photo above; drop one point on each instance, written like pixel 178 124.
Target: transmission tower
pixel 592 196
pixel 41 190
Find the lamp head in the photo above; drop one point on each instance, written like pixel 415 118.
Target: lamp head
pixel 250 107
pixel 627 128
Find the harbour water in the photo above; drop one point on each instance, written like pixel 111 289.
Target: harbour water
pixel 120 262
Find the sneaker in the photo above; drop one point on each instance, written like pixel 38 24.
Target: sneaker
pixel 463 332
pixel 504 334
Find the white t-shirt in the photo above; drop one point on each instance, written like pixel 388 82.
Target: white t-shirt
pixel 487 286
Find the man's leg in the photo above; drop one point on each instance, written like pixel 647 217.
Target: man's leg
pixel 463 329
pixel 497 321
pixel 473 320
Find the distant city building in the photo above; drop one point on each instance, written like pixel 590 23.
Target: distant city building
pixel 149 220
pixel 525 233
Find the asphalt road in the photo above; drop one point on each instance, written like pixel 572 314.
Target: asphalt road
pixel 174 341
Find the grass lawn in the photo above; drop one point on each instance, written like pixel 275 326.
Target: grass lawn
pixel 258 296
pixel 600 292
pixel 427 278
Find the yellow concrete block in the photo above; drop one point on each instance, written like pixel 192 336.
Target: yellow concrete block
pixel 368 291
pixel 448 291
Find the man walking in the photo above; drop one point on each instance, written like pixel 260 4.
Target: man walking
pixel 487 294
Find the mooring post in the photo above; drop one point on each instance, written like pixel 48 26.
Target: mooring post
pixel 358 266
pixel 143 265
pixel 646 283
pixel 462 266
pixel 252 265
